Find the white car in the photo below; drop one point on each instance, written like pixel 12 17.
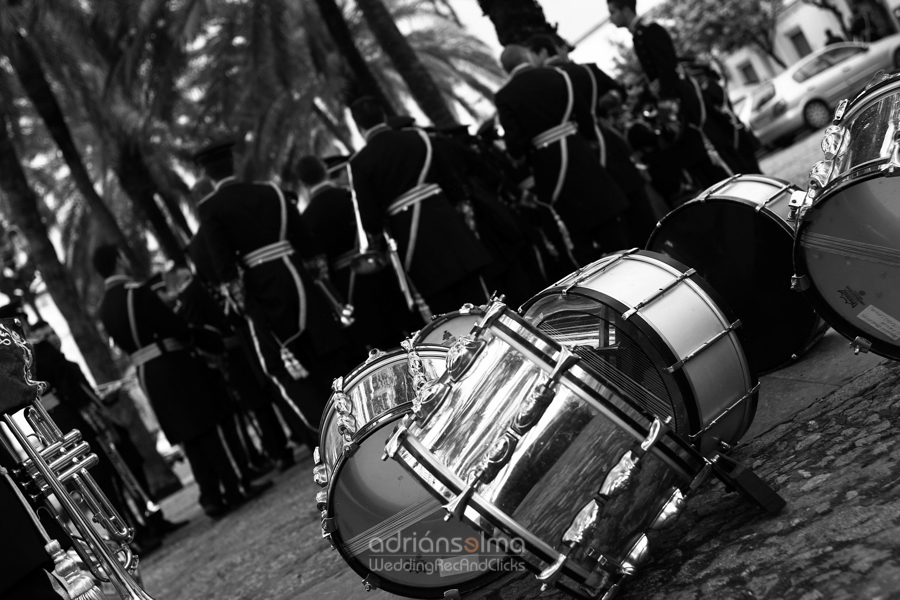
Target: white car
pixel 806 93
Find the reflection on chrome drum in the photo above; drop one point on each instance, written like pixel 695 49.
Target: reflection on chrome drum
pixel 445 329
pixel 847 246
pixel 385 524
pixel 524 433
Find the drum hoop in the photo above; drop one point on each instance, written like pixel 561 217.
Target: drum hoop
pixel 834 319
pixel 387 585
pixel 353 377
pixel 765 210
pixel 868 96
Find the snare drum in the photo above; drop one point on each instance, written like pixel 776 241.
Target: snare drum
pixel 445 329
pixel 847 245
pixel 737 236
pixel 373 513
pixel 657 328
pixel 523 433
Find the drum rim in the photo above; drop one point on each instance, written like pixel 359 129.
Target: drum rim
pixel 352 378
pixel 703 198
pixel 876 91
pixel 388 585
pixel 831 316
pixel 436 321
pixel 663 345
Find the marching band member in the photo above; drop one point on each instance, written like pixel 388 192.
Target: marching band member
pixel 402 182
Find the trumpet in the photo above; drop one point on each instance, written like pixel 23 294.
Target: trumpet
pixel 61 462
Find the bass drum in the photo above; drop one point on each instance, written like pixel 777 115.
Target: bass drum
pixel 662 334
pixel 445 329
pixel 737 237
pixel 386 525
pixel 847 246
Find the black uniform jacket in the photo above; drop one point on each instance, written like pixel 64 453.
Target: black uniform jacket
pixel 659 61
pixel 533 101
pixel 239 218
pixel 445 251
pixel 184 404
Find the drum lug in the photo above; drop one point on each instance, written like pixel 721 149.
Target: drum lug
pixel 637 556
pixel 839 111
pixel 328 525
pixel 321 499
pixel 462 354
pixel 374 354
pixel 465 309
pixel 861 344
pixel 317 456
pixel 670 510
pixel 320 475
pixel 833 141
pixel 427 399
pixel 820 174
pixel 393 444
pixel 620 475
pixel 796 204
pixel 371 582
pixel 799 283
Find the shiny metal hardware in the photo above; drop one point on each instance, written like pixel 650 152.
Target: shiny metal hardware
pixel 320 475
pixel 860 344
pixel 669 511
pixel 317 456
pixel 321 499
pixel 452 595
pixel 719 186
pixel 833 141
pixel 393 444
pixel 820 174
pixel 329 525
pixel 466 308
pixel 371 582
pixel 457 507
pixel 839 111
pixel 891 167
pixel 618 478
pixel 740 401
pixel 658 293
pixel 585 273
pixel 374 354
pixel 427 399
pixel 637 556
pixel 701 477
pixel 704 346
pixel 799 283
pixel 462 354
pixel 774 196
pixel 416 366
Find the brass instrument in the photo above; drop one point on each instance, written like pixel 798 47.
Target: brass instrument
pixel 61 462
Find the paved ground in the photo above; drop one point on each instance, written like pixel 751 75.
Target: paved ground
pixel 825 436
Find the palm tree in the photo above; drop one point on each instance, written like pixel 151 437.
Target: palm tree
pixel 22 204
pixel 421 85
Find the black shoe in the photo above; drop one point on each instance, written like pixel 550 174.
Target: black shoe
pixel 216 511
pixel 253 490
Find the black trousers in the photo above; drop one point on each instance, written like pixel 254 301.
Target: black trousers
pixel 35 585
pixel 214 468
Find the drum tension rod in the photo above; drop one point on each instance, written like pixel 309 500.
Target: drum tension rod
pixel 704 346
pixel 655 295
pixel 502 449
pixel 617 479
pixel 594 269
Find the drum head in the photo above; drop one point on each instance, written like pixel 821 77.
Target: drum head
pixel 848 248
pixel 745 256
pixel 390 525
pixel 443 330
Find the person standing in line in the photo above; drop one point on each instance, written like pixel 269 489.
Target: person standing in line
pixel 403 183
pixel 267 261
pixel 539 110
pixel 160 345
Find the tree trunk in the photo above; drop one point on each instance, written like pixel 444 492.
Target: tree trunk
pixel 31 75
pixel 138 183
pixel 23 205
pixel 421 85
pixel 515 20
pixel 363 82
